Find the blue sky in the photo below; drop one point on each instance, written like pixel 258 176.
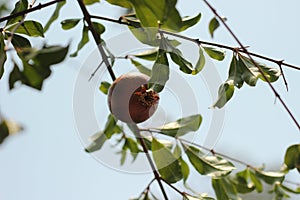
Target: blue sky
pixel 47 160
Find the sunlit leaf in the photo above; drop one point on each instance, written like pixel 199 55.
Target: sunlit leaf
pixel 160 72
pixel 224 190
pixel 182 126
pixel 270 177
pixel 100 137
pixel 7 128
pixel 166 163
pixel 256 181
pixel 3 55
pixel 291 190
pixel 217 54
pixel 148 54
pixel 55 15
pixel 141 67
pixel 243 182
pixel 90 2
pixel 292 157
pixel 188 22
pixel 122 3
pixel 213 25
pixel 235 73
pixel 200 63
pixel 214 166
pixel 84 40
pixel 69 23
pixel 104 87
pixel 30 28
pixel 132 146
pixel 20 6
pixel 225 93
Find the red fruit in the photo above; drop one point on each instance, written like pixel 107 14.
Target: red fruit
pixel 130 100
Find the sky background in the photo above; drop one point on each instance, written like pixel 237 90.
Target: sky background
pixel 47 160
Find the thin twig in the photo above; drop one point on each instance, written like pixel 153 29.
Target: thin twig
pixel 38 7
pixel 96 37
pixel 147 188
pixel 256 65
pixel 145 149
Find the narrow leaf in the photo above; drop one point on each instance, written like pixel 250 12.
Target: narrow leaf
pixel 188 22
pixel 99 28
pixel 213 25
pixel 104 87
pixel 208 165
pixel 121 3
pixel 200 63
pixel 224 190
pixel 235 73
pixel 214 53
pixel 55 15
pixel 90 2
pixel 182 126
pixel 3 55
pixel 147 55
pixel 69 23
pixel 30 28
pixel 160 72
pixel 166 163
pixel 141 67
pixel 84 40
pixel 98 141
pixel 20 6
pixel 292 157
pixel 270 177
pixel 225 93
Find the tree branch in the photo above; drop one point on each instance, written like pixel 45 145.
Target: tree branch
pixel 157 177
pixel 96 37
pixel 256 65
pixel 38 7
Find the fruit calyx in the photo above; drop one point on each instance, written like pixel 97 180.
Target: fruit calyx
pixel 146 97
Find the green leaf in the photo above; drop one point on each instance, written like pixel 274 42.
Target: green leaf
pixel 19 42
pixel 224 190
pixel 36 65
pixel 184 65
pixel 141 67
pixel 185 170
pixel 272 74
pixel 121 3
pixel 90 2
pixel 214 53
pixel 147 55
pixel 214 166
pixel 99 138
pixel 279 192
pixel 182 126
pixel 225 93
pixel 29 27
pixel 160 72
pixel 20 6
pixel 189 22
pixel 132 145
pixel 256 181
pixel 270 177
pixel 8 127
pixel 98 141
pixel 55 15
pixel 162 12
pixel 200 63
pixel 199 197
pixel 294 191
pixel 213 25
pixel 104 87
pixel 235 73
pixel 3 55
pixel 4 132
pixel 292 157
pixel 69 23
pixel 167 164
pixel 243 182
pixel 99 28
pixel 84 40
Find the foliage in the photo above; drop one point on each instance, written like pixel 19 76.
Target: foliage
pixel 173 158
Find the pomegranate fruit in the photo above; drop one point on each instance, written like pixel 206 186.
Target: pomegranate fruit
pixel 130 100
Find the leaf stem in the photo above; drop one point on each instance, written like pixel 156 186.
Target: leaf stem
pixel 157 177
pixel 87 18
pixel 32 9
